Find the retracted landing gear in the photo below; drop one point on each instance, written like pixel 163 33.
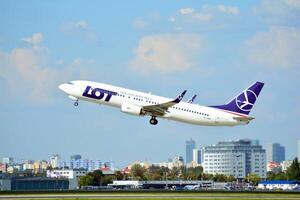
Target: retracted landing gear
pixel 153 120
pixel 76 103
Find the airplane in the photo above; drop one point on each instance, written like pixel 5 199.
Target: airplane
pixel 235 112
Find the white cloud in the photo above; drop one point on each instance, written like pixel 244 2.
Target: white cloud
pixel 139 23
pixel 191 15
pixel 276 48
pixel 30 69
pixel 293 3
pixel 166 53
pixel 186 11
pixel 207 13
pixel 35 39
pixel 80 28
pixel 154 16
pixel 204 17
pixel 228 9
pixel 60 62
pixel 149 21
pixel 81 24
pixel 280 12
pixel 172 19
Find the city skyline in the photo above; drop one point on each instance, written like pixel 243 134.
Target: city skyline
pixel 213 49
pixel 237 158
pixel 190 144
pixel 125 163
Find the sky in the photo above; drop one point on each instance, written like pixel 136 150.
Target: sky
pixel 214 49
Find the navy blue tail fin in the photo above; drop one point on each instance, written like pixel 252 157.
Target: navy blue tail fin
pixel 243 102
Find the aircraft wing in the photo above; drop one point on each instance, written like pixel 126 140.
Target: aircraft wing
pixel 162 109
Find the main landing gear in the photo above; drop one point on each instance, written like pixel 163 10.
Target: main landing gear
pixel 153 120
pixel 76 103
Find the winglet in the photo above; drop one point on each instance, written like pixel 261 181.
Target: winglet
pixel 179 97
pixel 191 100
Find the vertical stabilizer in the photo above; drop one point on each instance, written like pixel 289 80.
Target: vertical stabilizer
pixel 244 102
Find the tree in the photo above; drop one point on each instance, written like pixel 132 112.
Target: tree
pixel 208 176
pixel 92 178
pixel 28 173
pixel 138 172
pixel 156 173
pixel 219 177
pixel 281 176
pixel 293 172
pixel 119 175
pixel 253 178
pixel 97 176
pixel 107 179
pixel 198 172
pixel 85 180
pixel 174 173
pixel 271 175
pixel 230 178
pixel 193 173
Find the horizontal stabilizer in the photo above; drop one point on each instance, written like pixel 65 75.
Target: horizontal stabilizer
pixel 191 100
pixel 244 119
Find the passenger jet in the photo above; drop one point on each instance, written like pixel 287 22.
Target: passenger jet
pixel 235 112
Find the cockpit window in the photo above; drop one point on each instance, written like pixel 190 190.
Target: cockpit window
pixel 71 83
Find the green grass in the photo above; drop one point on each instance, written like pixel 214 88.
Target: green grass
pixel 159 195
pixel 184 198
pixel 147 192
pixel 164 199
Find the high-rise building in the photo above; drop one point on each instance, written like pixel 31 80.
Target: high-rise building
pixel 75 157
pixel 177 161
pixel 189 146
pixel 86 164
pixel 28 165
pixel 275 153
pixel 197 158
pixel 8 160
pixel 54 161
pixel 236 158
pixel 3 168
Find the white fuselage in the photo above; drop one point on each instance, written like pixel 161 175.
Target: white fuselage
pixel 182 111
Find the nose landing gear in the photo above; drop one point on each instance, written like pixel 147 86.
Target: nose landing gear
pixel 76 103
pixel 153 120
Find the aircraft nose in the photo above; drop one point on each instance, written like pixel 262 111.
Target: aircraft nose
pixel 64 87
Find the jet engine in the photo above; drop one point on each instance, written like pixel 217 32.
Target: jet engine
pixel 132 109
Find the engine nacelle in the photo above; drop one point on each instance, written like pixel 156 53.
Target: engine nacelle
pixel 132 109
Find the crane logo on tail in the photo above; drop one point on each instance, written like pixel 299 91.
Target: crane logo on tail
pixel 246 100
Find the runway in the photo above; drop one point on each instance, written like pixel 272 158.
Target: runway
pixel 150 196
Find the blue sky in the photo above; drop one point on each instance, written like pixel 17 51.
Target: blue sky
pixel 211 48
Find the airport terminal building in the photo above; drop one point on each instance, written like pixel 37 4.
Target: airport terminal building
pixel 236 158
pixel 33 184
